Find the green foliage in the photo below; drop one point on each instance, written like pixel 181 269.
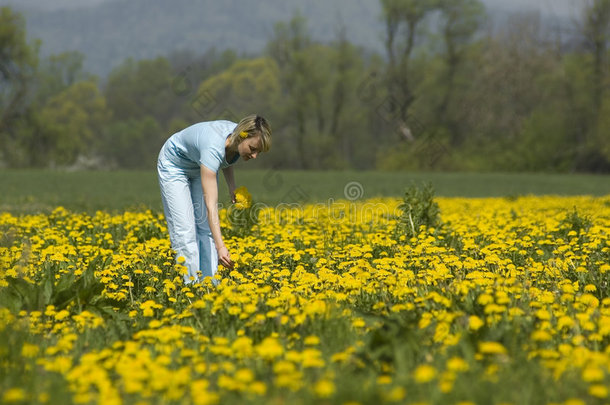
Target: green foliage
pixel 35 190
pixel 73 121
pixel 132 143
pixel 18 61
pixel 445 96
pixel 397 342
pixel 59 288
pixel 601 140
pixel 139 89
pixel 574 222
pixel 374 334
pixel 418 209
pixel 242 221
pixel 232 93
pixel 323 122
pixel 58 72
pixel 242 215
pixel 16 370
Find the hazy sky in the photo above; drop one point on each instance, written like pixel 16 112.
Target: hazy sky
pixel 101 57
pixel 561 8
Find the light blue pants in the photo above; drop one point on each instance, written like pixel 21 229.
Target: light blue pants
pixel 187 222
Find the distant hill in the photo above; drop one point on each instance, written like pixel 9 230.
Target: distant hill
pixel 109 31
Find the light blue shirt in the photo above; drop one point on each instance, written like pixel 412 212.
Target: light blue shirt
pixel 201 144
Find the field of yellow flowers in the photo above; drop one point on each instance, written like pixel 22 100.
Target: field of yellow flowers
pixel 503 301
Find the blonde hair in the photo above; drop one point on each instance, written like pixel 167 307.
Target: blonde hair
pixel 250 126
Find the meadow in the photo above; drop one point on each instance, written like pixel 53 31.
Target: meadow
pixel 338 298
pixel 32 191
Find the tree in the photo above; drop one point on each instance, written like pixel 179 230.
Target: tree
pixel 248 86
pixel 18 61
pixel 134 143
pixel 602 140
pixel 596 31
pixel 402 18
pixel 460 21
pixel 136 90
pixel 346 60
pixel 58 72
pixel 514 78
pixel 299 76
pixel 71 125
pixel 320 115
pixel 592 140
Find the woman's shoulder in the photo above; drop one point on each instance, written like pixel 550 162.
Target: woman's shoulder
pixel 223 124
pixel 220 126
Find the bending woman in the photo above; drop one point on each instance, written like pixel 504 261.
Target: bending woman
pixel 188 167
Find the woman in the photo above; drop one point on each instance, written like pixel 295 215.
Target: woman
pixel 188 176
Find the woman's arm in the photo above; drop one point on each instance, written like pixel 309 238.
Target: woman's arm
pixel 210 196
pixel 230 178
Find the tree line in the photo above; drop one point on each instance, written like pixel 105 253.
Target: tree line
pixel 450 92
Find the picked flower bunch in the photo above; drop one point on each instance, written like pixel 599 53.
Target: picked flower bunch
pixel 243 199
pixel 242 215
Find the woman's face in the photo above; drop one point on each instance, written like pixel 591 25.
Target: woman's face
pixel 249 148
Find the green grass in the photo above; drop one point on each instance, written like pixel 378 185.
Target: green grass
pixel 29 191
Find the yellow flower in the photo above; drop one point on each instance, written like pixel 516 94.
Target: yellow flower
pixel 243 134
pixel 457 364
pixel 243 199
pixel 310 266
pixel 242 347
pixel 574 401
pixel 324 388
pixel 312 358
pixel 384 380
pixel 598 390
pixel 541 336
pixel 396 394
pixel 491 348
pixel 590 288
pixel 29 350
pixel 14 395
pixel 269 349
pixel 591 374
pixel 200 394
pixel 312 340
pixel 244 375
pixel 475 323
pixel 424 373
pixel 358 323
pixel 257 388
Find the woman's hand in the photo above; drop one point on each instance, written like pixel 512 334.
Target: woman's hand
pixel 224 257
pixel 210 194
pixel 232 195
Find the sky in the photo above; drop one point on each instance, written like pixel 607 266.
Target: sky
pixel 100 59
pixel 560 8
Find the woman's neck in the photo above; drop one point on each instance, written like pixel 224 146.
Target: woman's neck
pixel 230 154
